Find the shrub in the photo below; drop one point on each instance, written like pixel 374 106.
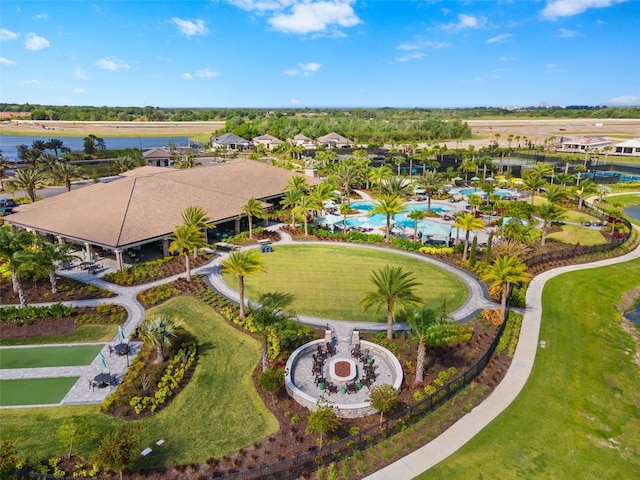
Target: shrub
pixel 436 250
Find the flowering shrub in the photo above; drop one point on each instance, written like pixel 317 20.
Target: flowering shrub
pixel 437 250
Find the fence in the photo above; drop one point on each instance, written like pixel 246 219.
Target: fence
pixel 577 250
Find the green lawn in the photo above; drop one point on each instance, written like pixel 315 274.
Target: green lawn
pixel 216 414
pixel 577 416
pixel 575 234
pixel 37 391
pixel 328 281
pixel 35 357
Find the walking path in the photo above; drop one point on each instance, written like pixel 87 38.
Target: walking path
pixel 471 424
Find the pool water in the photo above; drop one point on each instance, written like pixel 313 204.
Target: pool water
pixel 379 220
pixel 473 191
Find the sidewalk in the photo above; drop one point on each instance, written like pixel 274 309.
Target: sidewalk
pixel 505 393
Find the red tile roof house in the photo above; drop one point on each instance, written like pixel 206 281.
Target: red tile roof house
pixel 144 206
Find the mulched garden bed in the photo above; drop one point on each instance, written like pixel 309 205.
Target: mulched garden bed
pixel 40 292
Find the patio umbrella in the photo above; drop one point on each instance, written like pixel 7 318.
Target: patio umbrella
pixel 503 180
pixel 475 179
pixel 103 362
pixel 489 179
pixel 457 179
pixel 121 336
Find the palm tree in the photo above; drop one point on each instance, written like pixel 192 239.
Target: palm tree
pixel 393 287
pixel 346 175
pixel 585 188
pixel 322 193
pixel 65 172
pixel 433 330
pixel 345 209
pixel 297 182
pixel 475 201
pixel 48 255
pixel 549 213
pixel 542 168
pixel 158 332
pixel 242 264
pixel 469 223
pixel 534 182
pixel 197 217
pixel 253 208
pixel 54 144
pixel 400 186
pixel 124 164
pixel 268 315
pixel 555 193
pixel 431 182
pixel 505 272
pixel 416 216
pixel 186 239
pixel 28 180
pixel 15 250
pixel 379 174
pixel 388 205
pixel 4 163
pixel 305 204
pixel 289 201
pixel 32 156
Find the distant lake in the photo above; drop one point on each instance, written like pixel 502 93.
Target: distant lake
pixel 8 143
pixel 633 211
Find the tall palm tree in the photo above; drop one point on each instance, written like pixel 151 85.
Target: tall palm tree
pixel 397 185
pixel 124 164
pixel 32 156
pixel 242 264
pixel 378 174
pixel 268 315
pixel 4 164
pixel 48 255
pixel 253 208
pixel 322 193
pixel 305 204
pixel 469 223
pixel 346 174
pixel 29 180
pixel 197 217
pixel 297 182
pixel 186 239
pixel 54 144
pixel 534 182
pixel 586 187
pixel 394 288
pixel 389 206
pixel 549 213
pixel 289 201
pixel 433 329
pixel 345 209
pixel 555 193
pixel 416 216
pixel 542 168
pixel 159 332
pixel 431 182
pixel 15 249
pixel 505 272
pixel 65 172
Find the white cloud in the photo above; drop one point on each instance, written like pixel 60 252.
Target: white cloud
pixel 260 5
pixel 420 43
pixel 190 27
pixel 6 61
pixel 294 101
pixel 566 33
pixel 35 43
pixel 568 8
pixel 464 22
pixel 79 90
pixel 304 69
pixel 204 73
pixel 80 74
pixel 625 100
pixel 500 38
pixel 317 17
pixel 41 16
pixel 111 63
pixel 410 56
pixel 7 34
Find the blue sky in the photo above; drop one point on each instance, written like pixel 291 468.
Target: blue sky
pixel 320 53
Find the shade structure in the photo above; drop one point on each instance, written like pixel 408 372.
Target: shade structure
pixel 489 179
pixel 434 229
pixel 121 336
pixel 475 179
pixel 457 179
pixel 503 180
pixel 103 362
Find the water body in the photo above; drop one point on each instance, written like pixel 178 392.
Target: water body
pixel 8 143
pixel 634 315
pixel 633 211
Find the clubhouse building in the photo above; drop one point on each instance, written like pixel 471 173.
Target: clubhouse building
pixel 143 207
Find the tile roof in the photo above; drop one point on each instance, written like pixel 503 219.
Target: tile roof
pixel 147 202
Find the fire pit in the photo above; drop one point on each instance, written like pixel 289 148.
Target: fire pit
pixel 342 370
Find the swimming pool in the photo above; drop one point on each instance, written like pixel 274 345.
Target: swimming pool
pixel 474 191
pixel 379 220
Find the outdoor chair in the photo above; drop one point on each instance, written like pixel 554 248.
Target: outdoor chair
pixel 356 351
pixel 351 388
pixel 331 388
pixel 110 350
pixel 320 379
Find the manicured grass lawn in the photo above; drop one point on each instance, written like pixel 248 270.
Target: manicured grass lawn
pixel 578 217
pixel 36 391
pixel 575 234
pixel 577 416
pixel 216 414
pixel 328 281
pixel 48 356
pixel 83 334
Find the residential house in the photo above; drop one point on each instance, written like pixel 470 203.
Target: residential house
pixel 335 140
pixel 231 141
pixel 269 141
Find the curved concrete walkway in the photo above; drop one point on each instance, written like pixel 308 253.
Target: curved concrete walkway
pixel 471 424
